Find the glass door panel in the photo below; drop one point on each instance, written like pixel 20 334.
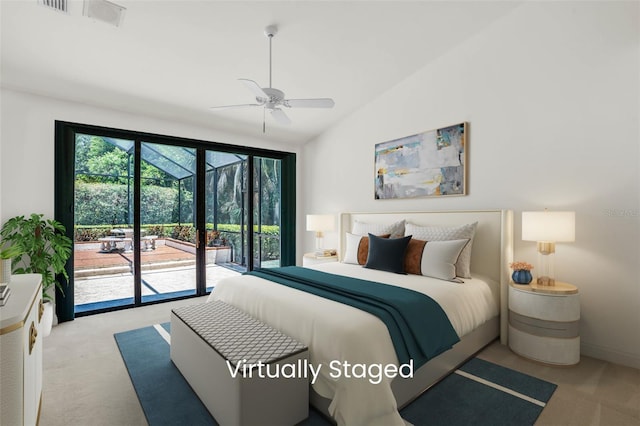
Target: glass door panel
pixel 226 215
pixel 103 223
pixel 167 241
pixel 266 212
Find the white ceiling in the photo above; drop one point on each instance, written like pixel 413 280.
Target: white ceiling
pixel 175 59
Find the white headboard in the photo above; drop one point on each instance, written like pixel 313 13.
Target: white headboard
pixel 492 245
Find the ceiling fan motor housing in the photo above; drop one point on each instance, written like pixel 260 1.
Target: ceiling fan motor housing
pixel 275 97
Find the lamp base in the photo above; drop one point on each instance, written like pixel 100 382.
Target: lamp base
pixel 319 238
pixel 546 264
pixel 546 281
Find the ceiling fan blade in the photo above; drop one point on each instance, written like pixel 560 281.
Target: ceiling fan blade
pixel 234 106
pixel 280 116
pixel 254 87
pixel 309 103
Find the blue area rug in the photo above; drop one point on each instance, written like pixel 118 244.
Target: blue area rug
pixel 478 393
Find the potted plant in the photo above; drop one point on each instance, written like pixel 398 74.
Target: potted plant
pixel 521 272
pixel 213 238
pixel 45 250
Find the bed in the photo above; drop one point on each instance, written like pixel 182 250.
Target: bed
pixel 337 332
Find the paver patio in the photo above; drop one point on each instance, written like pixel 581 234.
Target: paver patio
pixel 101 277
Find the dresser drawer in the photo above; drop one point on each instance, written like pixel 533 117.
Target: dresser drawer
pixel 545 349
pixel 545 306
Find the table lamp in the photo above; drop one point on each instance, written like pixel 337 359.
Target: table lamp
pixel 320 223
pixel 547 228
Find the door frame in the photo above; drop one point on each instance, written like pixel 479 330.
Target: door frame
pixel 64 183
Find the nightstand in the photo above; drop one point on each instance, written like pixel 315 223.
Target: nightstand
pixel 311 259
pixel 544 322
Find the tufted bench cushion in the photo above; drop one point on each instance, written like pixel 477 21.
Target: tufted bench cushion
pixel 219 349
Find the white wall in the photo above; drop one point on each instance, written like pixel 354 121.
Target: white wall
pixel 551 94
pixel 27 145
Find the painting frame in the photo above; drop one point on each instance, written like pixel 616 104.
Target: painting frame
pixel 430 164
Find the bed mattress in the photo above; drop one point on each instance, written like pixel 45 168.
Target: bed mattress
pixel 339 335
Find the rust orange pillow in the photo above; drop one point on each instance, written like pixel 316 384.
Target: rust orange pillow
pixel 413 257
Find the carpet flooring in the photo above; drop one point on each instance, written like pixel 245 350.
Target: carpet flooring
pixel 478 393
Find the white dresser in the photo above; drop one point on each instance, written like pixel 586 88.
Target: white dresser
pixel 544 322
pixel 21 352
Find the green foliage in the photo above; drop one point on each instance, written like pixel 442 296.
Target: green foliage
pixel 94 232
pixel 10 252
pixel 229 190
pixel 90 234
pixel 102 162
pixel 228 227
pixel 104 194
pixel 160 205
pixel 45 248
pixel 114 163
pixel 184 233
pixel 106 203
pixel 270 236
pixel 100 203
pixel 152 175
pixel 269 175
pixel 158 230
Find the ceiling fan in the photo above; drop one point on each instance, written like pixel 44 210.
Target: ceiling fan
pixel 272 99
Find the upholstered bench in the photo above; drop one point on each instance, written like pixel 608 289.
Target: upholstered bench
pixel 213 344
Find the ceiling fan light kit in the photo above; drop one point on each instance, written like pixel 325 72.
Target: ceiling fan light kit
pixel 272 99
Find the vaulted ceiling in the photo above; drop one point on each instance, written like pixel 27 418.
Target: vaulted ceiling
pixel 175 59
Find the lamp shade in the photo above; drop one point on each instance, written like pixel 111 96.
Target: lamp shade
pixel 320 222
pixel 549 226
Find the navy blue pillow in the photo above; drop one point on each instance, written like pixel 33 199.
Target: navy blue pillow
pixel 387 254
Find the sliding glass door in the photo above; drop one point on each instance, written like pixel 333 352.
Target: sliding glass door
pixel 167 224
pixel 226 242
pixel 103 218
pixel 156 218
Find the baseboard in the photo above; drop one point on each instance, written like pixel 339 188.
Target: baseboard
pixel 611 355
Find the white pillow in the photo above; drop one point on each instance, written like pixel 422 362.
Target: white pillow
pixel 445 233
pixel 439 258
pixel 353 246
pixel 396 230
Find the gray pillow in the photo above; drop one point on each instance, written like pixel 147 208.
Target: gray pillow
pixel 395 229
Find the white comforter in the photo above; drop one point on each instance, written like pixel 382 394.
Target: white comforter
pixel 338 332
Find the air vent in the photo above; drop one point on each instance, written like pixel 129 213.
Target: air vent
pixel 59 5
pixel 104 11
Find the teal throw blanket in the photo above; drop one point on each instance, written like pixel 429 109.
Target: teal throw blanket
pixel 419 328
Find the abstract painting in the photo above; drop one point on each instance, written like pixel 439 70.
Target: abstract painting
pixel 429 164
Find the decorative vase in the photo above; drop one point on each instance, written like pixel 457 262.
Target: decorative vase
pixel 521 276
pixel 5 271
